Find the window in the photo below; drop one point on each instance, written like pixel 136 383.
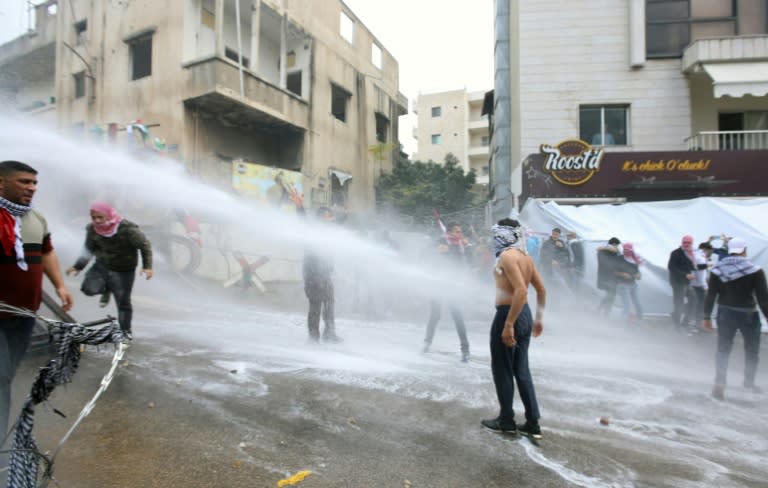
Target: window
pixel 604 125
pixel 382 128
pixel 232 54
pixel 485 171
pixel 141 57
pixel 80 32
pixel 79 81
pixel 437 139
pixel 376 55
pixel 672 25
pixel 293 82
pixel 347 28
pixel 437 111
pixel 339 101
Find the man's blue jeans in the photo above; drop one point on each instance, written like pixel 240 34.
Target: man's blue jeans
pixel 15 336
pixel 458 319
pixel 510 364
pixel 729 320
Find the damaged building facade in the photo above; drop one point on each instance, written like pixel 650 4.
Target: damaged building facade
pixel 299 85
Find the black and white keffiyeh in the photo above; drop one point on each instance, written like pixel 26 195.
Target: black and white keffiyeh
pixel 17 211
pixel 734 267
pixel 505 237
pixel 25 455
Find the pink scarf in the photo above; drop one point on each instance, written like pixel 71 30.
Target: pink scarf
pixel 109 227
pixel 687 246
pixel 629 254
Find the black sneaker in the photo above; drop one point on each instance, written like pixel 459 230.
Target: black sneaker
pixel 530 429
pixel 496 425
pixel 128 335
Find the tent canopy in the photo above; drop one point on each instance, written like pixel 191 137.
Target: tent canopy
pixel 655 229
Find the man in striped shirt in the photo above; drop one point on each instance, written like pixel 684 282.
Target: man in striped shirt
pixel 26 254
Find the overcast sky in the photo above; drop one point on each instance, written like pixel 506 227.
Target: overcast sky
pixel 440 44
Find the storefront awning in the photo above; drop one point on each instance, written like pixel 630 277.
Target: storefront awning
pixel 738 79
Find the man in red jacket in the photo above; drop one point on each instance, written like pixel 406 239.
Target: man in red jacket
pixel 739 287
pixel 26 254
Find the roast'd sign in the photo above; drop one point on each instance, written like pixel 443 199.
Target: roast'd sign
pixel 571 162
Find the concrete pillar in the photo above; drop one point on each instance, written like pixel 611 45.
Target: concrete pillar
pixel 219 13
pixel 283 50
pixel 255 34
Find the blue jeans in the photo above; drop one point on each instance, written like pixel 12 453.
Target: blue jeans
pixel 510 364
pixel 628 292
pixel 15 336
pixel 458 319
pixel 729 320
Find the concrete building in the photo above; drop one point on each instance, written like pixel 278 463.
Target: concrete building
pixel 633 75
pixel 300 85
pixel 452 122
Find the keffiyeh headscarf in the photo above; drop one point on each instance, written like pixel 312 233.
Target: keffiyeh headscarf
pixel 734 267
pixel 687 246
pixel 505 237
pixel 10 230
pixel 109 227
pixel 628 250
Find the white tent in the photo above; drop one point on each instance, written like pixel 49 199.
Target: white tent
pixel 655 229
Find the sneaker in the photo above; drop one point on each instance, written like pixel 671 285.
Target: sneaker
pixel 530 429
pixel 718 391
pixel 425 349
pixel 333 338
pixel 465 357
pixel 496 425
pixel 104 300
pixel 128 335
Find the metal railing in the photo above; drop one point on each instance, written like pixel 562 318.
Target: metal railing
pixel 728 140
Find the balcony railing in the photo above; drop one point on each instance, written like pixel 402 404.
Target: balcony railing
pixel 729 140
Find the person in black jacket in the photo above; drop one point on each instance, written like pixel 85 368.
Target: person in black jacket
pixel 116 243
pixel 609 262
pixel 681 265
pixel 739 287
pixel 318 286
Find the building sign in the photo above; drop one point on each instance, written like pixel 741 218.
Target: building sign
pixel 571 162
pixel 573 169
pixel 267 184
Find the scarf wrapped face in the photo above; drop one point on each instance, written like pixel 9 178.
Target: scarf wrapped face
pixel 629 254
pixel 10 230
pixel 505 237
pixel 687 246
pixel 105 219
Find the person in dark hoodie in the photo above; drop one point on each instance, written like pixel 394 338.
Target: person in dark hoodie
pixel 609 262
pixel 681 267
pixel 317 270
pixel 739 286
pixel 116 243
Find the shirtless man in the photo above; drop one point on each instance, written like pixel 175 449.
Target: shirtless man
pixel 512 328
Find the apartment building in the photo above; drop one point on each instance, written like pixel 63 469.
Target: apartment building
pixel 298 85
pixel 638 80
pixel 452 122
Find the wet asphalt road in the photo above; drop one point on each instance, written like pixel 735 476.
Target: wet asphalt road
pixel 174 417
pixel 148 431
